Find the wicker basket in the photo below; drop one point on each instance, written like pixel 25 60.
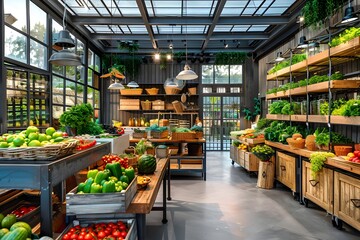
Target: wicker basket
pixel 178 106
pixel 172 90
pixel 132 161
pixel 294 144
pixel 160 135
pixel 183 135
pixel 139 135
pixel 131 91
pixel 192 91
pixel 342 150
pixel 152 91
pixel 145 105
pixel 45 153
pixel 199 135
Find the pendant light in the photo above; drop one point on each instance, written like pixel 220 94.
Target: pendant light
pixel 187 73
pixel 350 16
pixel 279 58
pixel 115 74
pixel 303 43
pixel 65 57
pixel 132 83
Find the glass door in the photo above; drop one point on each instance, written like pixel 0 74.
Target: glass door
pixel 221 116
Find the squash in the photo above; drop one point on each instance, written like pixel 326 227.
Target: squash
pixel 19 233
pixel 22 224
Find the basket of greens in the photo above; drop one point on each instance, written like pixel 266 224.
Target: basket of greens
pixel 198 131
pixel 263 152
pixel 182 133
pixel 158 132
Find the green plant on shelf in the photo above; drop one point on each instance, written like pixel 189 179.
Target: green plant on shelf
pixel 317 160
pixel 277 106
pixel 296 58
pixel 249 115
pixel 263 152
pixel 347 35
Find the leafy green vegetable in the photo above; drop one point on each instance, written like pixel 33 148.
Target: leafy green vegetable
pixel 138 130
pixel 91 128
pixel 263 123
pixel 181 130
pixel 142 146
pixel 293 108
pixel 337 76
pixel 348 34
pixel 156 128
pixel 295 59
pixel 276 107
pixel 352 108
pixel 236 143
pixel 317 160
pixel 196 128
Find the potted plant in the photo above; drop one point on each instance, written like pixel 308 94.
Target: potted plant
pixel 78 120
pixel 266 166
pixel 263 152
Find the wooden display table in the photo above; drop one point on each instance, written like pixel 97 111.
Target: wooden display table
pixel 143 201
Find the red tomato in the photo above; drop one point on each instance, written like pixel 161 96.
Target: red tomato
pixel 66 237
pixel 116 233
pixel 123 234
pixel 82 233
pixel 72 230
pixel 111 224
pixel 122 227
pixel 74 236
pixel 89 236
pixel 81 237
pixel 357 153
pixel 101 234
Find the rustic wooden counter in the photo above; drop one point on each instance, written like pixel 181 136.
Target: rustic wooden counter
pixel 144 199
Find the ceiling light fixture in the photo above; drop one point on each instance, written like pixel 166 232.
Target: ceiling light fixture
pixel 187 73
pixel 279 58
pixel 168 56
pixel 313 46
pixel 350 16
pixel 226 45
pixel 157 56
pixel 65 57
pixel 303 43
pixel 116 85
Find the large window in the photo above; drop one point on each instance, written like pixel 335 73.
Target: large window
pixel 222 74
pixel 18 33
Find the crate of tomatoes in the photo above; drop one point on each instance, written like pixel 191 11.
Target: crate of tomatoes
pixel 121 229
pixel 85 144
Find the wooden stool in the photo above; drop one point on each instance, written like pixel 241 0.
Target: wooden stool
pixel 266 174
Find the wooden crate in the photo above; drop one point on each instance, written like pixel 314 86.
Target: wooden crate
pixel 99 203
pixel 286 170
pixel 131 91
pixel 158 105
pixel 232 149
pixel 183 135
pixel 160 135
pixel 320 190
pixel 129 104
pixel 241 157
pixel 251 162
pixel 131 224
pixel 347 199
pixel 255 141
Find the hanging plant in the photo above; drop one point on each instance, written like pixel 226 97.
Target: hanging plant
pixel 130 46
pixel 163 61
pixel 230 58
pixel 316 11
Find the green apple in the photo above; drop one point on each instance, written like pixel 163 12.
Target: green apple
pixel 4 145
pixel 18 141
pixel 33 136
pixel 44 143
pixel 31 129
pixel 34 143
pixel 9 139
pixel 2 140
pixel 50 131
pixel 48 137
pixel 57 134
pixel 42 137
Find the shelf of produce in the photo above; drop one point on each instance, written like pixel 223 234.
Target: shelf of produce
pixel 302 152
pixel 322 87
pixel 278 117
pixel 343 164
pixel 341 120
pixel 26 175
pixel 156 95
pixel 298 118
pixel 339 54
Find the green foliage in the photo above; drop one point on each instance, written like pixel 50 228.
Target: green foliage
pixel 91 128
pixel 263 123
pixel 77 116
pixel 289 109
pixel 345 36
pixel 128 65
pixel 322 137
pixel 296 58
pixel 316 11
pixel 280 131
pixel 352 108
pixel 156 128
pixel 230 58
pixel 250 116
pixel 337 76
pixel 264 152
pixel 276 107
pixel 317 160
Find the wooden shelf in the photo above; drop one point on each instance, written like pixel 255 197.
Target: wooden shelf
pixel 157 95
pixel 338 55
pixel 322 87
pixel 337 162
pixel 278 117
pixel 341 120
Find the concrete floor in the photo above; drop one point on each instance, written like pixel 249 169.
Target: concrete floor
pixel 229 206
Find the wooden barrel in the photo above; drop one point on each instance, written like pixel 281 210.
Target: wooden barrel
pixel 266 174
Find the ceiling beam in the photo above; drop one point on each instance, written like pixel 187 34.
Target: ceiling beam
pixel 242 20
pixel 159 37
pixel 216 17
pixel 191 50
pixel 145 17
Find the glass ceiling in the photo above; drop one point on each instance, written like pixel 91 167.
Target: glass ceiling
pixel 194 16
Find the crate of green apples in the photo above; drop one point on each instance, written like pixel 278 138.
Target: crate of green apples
pixel 30 144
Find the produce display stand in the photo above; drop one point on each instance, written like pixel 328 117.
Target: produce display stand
pixel 44 175
pixel 184 168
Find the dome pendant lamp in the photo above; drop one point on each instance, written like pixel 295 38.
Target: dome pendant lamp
pixel 350 16
pixel 186 74
pixel 65 57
